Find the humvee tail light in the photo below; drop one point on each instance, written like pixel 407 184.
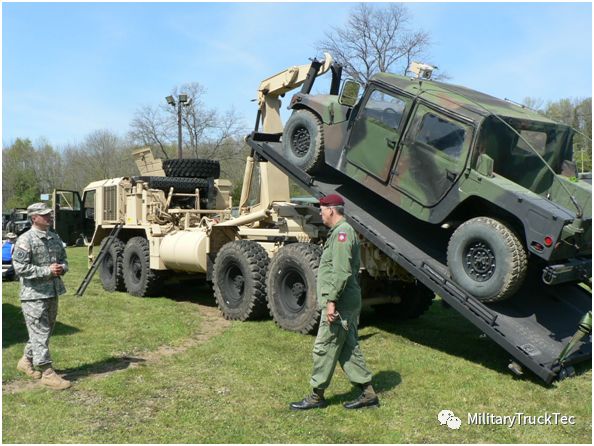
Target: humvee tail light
pixel 548 241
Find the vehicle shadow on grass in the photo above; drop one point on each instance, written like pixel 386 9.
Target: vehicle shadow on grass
pixel 14 330
pixel 190 290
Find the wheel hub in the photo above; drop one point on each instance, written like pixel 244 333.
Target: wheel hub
pixel 300 142
pixel 479 261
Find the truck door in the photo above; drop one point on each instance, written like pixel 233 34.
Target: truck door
pixel 88 214
pixel 376 132
pixel 433 155
pixel 67 215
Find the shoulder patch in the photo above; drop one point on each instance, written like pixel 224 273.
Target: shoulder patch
pixel 342 236
pixel 20 254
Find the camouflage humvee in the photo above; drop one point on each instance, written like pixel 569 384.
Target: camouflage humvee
pixel 501 175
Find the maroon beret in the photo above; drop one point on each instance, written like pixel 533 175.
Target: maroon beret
pixel 332 200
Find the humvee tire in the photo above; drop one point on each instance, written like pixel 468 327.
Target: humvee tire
pixel 416 300
pixel 303 141
pixel 111 271
pixel 139 278
pixel 192 168
pixel 487 259
pixel 239 276
pixel 291 287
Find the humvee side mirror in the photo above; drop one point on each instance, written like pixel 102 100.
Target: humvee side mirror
pixel 350 93
pixel 484 165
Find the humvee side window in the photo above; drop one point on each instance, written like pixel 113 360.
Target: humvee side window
pixel 442 135
pixel 538 140
pixel 384 109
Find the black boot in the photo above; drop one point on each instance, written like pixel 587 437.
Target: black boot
pixel 368 398
pixel 314 401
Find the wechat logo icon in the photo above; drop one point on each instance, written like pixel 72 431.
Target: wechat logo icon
pixel 448 418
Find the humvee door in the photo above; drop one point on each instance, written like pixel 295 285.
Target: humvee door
pixel 376 132
pixel 433 155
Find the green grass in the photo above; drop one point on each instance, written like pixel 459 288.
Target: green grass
pixel 235 388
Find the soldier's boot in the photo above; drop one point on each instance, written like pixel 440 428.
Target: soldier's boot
pixel 314 401
pixel 51 379
pixel 368 398
pixel 26 366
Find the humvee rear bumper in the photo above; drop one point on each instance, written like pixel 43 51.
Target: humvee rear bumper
pixel 575 270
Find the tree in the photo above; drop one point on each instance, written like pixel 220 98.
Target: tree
pixel 20 172
pixel 375 40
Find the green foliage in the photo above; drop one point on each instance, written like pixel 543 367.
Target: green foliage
pixel 235 387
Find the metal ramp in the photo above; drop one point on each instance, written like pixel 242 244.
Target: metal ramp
pixel 533 327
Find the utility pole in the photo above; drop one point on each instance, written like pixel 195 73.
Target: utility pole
pixel 182 99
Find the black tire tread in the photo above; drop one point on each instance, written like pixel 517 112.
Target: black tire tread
pixel 317 162
pixel 117 249
pixel 179 184
pixel 153 280
pixel 257 259
pixel 192 168
pixel 312 254
pixel 518 256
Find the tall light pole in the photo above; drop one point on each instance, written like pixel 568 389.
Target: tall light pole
pixel 182 99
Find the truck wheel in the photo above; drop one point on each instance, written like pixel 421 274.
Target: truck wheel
pixel 487 259
pixel 179 184
pixel 291 287
pixel 139 278
pixel 303 141
pixel 416 300
pixel 192 168
pixel 111 271
pixel 239 275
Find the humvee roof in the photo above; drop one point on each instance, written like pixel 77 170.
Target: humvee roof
pixel 464 101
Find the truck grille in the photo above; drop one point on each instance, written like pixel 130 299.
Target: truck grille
pixel 110 203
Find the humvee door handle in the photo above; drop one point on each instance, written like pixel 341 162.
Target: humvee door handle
pixel 450 175
pixel 391 143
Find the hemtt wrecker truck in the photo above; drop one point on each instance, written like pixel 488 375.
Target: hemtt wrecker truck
pixel 505 256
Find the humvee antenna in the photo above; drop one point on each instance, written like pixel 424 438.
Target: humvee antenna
pixel 579 213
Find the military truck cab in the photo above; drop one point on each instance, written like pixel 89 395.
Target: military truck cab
pixel 498 177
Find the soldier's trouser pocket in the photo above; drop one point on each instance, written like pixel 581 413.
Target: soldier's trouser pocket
pixel 40 318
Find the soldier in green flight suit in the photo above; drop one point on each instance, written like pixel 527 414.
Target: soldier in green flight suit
pixel 339 297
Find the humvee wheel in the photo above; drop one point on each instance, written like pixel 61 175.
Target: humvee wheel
pixel 291 287
pixel 111 271
pixel 139 278
pixel 303 141
pixel 487 259
pixel 239 276
pixel 416 300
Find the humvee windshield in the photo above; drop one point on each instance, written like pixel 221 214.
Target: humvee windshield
pixel 515 160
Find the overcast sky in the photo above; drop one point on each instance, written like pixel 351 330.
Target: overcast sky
pixel 71 68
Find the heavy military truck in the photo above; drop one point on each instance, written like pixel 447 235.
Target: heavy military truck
pixel 423 167
pixel 498 175
pixel 175 220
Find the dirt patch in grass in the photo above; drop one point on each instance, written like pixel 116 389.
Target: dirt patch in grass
pixel 213 324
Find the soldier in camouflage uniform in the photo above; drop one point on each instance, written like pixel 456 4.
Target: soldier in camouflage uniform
pixel 339 297
pixel 39 260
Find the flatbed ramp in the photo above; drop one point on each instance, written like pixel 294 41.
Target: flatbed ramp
pixel 533 327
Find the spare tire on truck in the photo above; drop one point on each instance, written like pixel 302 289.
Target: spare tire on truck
pixel 291 287
pixel 239 276
pixel 192 168
pixel 303 141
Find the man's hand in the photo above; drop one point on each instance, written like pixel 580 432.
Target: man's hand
pixel 331 311
pixel 56 269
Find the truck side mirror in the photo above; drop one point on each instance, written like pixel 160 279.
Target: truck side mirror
pixel 350 93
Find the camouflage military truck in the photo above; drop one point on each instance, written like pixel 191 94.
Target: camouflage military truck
pixel 499 176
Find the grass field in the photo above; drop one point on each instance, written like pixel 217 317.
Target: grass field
pixel 170 370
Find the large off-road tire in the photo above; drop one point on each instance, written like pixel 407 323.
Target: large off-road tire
pixel 111 270
pixel 486 258
pixel 291 287
pixel 239 277
pixel 179 184
pixel 416 299
pixel 303 141
pixel 192 168
pixel 139 278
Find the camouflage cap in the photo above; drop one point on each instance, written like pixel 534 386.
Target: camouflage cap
pixel 38 209
pixel 11 236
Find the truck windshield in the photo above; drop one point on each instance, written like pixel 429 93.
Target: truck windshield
pixel 515 160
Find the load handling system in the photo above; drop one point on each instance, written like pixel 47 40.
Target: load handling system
pixel 545 328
